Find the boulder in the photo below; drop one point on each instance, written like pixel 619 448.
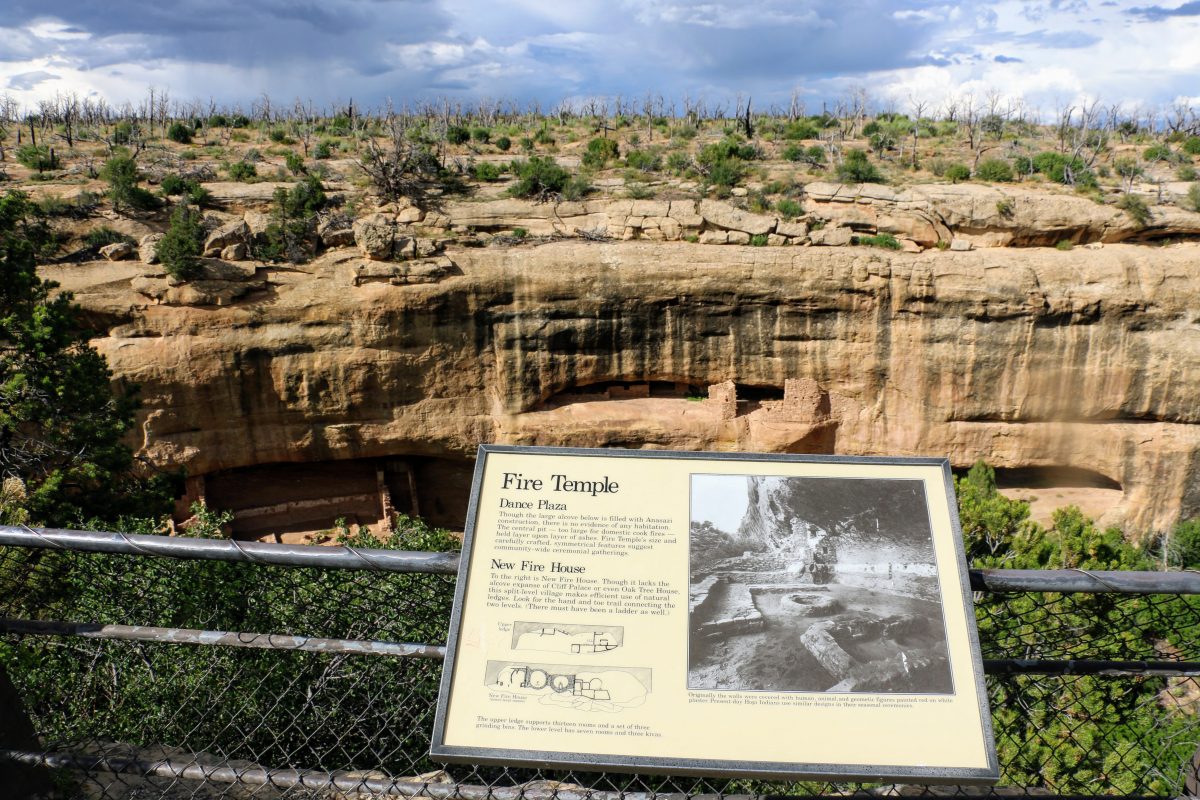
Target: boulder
pixel 231 233
pixel 235 252
pixel 257 222
pixel 794 230
pixel 117 251
pixel 831 237
pixel 375 236
pixel 407 216
pixel 336 231
pixel 403 273
pixel 723 215
pixel 148 248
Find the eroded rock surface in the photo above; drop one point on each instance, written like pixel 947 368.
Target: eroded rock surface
pixel 1083 359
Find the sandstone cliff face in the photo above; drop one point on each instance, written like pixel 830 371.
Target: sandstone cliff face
pixel 1079 359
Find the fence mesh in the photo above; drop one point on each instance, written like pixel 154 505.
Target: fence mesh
pixel 153 719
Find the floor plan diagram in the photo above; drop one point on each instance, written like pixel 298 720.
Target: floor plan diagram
pixel 586 688
pixel 567 638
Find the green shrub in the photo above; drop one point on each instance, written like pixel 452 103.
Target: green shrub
pixel 727 173
pixel 122 132
pixel 217 121
pixel 539 177
pixel 486 171
pixel 956 172
pixel 1064 245
pixel 280 136
pixel 481 135
pixel 636 190
pixel 197 195
pixel 241 171
pixel 1127 168
pixel 731 147
pixel 788 208
pixel 1060 169
pixel 457 134
pixel 1159 152
pixel 294 162
pixel 103 236
pixel 643 160
pixel 179 133
pixel 503 144
pixel 543 137
pixel 599 152
pixel 172 184
pixel 994 170
pixel 758 240
pixel 857 168
pixel 1136 208
pixel 37 157
pixel 678 162
pixel 800 129
pixel 121 173
pixel 519 233
pixel 1186 172
pixel 1192 202
pixel 180 248
pixel 1191 145
pixel 1005 207
pixel 884 240
pixel 290 234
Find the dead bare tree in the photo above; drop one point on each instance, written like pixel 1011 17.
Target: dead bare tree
pixel 403 168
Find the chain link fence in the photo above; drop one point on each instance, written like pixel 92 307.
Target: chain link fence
pixel 147 667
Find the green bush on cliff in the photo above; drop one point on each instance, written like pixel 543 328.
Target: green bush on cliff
pixel 1136 208
pixel 599 152
pixel 62 427
pixel 291 233
pixel 1192 203
pixel 180 248
pixel 994 170
pixel 121 173
pixel 541 178
pixel 856 167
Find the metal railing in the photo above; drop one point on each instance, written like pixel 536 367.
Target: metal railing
pixel 148 666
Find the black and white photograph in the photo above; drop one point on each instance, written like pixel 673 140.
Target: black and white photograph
pixel 805 584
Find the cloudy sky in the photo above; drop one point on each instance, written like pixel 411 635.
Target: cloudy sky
pixel 1047 53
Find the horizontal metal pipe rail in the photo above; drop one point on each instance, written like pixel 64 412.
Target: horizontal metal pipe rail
pixel 186 547
pixel 358 558
pixel 367 647
pixel 991 580
pixel 433 788
pixel 259 641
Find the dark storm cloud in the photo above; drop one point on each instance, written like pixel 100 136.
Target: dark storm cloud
pixel 231 32
pixel 370 50
pixel 1157 13
pixel 28 80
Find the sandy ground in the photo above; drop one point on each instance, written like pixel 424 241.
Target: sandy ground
pixel 1093 501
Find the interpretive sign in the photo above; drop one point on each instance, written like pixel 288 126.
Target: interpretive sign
pixel 723 614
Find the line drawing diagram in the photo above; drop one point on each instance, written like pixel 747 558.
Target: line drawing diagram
pixel 567 638
pixel 584 688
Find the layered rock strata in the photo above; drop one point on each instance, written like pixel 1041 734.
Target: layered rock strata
pixel 1083 359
